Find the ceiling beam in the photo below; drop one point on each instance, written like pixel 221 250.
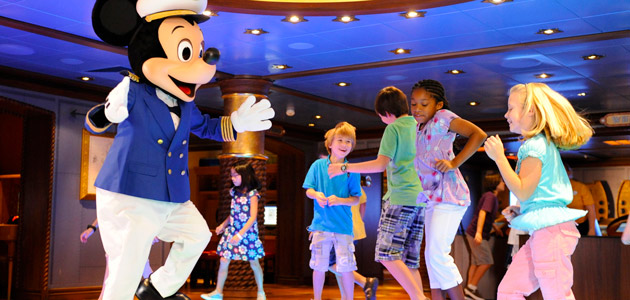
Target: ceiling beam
pixel 325 8
pixel 323 100
pixel 44 83
pixel 457 54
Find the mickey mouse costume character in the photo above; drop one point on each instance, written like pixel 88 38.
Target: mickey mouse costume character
pixel 143 189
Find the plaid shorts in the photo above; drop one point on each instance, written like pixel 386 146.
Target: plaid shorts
pixel 400 231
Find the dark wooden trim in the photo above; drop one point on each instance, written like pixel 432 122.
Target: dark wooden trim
pixel 312 97
pixel 457 54
pixel 326 9
pixel 43 83
pixel 292 240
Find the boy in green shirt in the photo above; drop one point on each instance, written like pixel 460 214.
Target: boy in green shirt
pixel 402 220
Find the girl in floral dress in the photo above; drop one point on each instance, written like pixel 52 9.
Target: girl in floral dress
pixel 445 190
pixel 240 231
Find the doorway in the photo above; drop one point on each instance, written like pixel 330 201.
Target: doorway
pixel 26 159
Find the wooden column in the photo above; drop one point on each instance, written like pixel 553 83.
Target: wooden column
pixel 248 147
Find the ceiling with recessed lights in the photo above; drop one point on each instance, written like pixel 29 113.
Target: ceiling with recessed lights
pixel 477 49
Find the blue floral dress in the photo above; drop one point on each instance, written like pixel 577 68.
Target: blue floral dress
pixel 250 247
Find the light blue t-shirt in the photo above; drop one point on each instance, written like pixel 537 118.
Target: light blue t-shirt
pixel 337 218
pixel 547 206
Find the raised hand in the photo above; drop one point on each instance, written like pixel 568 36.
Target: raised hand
pixel 494 147
pixel 116 106
pixel 252 116
pixel 334 170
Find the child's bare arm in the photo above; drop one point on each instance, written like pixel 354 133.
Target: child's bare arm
pixel 522 185
pixel 475 136
pixel 373 166
pixel 350 201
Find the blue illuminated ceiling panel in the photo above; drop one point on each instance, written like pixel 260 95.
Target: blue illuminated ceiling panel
pixel 495 45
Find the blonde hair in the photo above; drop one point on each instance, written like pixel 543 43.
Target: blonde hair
pixel 554 115
pixel 344 129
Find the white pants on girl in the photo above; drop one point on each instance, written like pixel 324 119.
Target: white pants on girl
pixel 128 225
pixel 440 226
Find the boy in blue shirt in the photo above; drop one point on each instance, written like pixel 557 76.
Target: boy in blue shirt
pixel 332 217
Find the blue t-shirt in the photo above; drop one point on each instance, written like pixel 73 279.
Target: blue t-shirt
pixel 337 218
pixel 547 206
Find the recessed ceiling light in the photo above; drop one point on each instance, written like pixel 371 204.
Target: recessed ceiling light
pixel 413 14
pixel 549 31
pixel 318 117
pixel 86 78
pixel 290 110
pixel 473 103
pixel 342 83
pixel 281 67
pixel 294 19
pixel 455 72
pixel 496 2
pixel 257 31
pixel 581 94
pixel 311 124
pixel 345 19
pixel 210 13
pixel 543 75
pixel 400 51
pixel 592 57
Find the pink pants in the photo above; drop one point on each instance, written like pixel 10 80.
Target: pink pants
pixel 543 262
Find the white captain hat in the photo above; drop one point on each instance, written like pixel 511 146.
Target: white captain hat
pixel 158 9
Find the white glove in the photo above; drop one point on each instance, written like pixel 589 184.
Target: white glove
pixel 252 117
pixel 116 106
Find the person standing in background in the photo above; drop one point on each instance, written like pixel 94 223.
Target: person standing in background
pixel 582 199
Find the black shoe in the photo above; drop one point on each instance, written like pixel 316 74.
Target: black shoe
pixel 146 291
pixel 473 294
pixel 371 284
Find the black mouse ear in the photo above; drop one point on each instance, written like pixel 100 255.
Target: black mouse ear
pixel 115 21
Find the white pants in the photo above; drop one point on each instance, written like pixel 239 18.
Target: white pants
pixel 128 225
pixel 440 226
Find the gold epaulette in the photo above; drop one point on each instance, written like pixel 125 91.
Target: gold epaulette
pixel 133 77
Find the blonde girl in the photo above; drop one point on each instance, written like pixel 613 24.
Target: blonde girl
pixel 547 122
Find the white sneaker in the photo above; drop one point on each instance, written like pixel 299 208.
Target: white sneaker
pixel 261 296
pixel 212 296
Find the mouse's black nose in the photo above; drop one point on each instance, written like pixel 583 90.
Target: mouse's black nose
pixel 211 56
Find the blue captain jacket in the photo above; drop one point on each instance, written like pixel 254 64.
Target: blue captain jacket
pixel 149 158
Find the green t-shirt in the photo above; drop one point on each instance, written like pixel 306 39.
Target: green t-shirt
pixel 399 144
